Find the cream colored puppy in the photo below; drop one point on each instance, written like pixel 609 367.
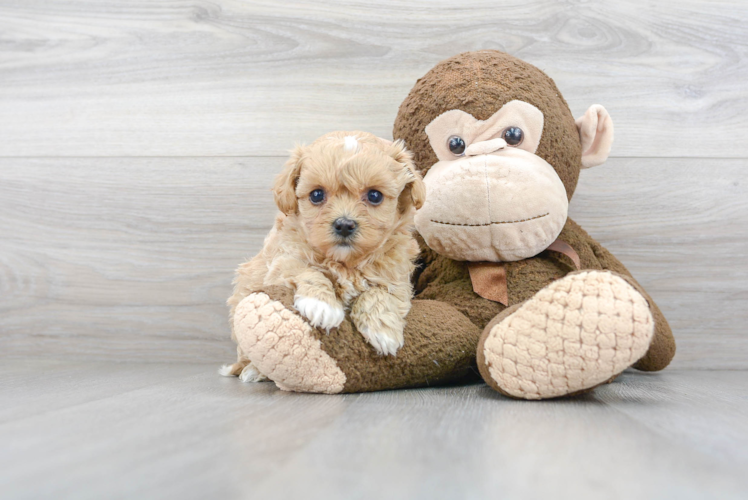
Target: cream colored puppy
pixel 343 240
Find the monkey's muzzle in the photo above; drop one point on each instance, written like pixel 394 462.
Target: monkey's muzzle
pixel 504 206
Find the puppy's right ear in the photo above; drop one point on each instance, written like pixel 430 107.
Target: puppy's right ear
pixel 284 190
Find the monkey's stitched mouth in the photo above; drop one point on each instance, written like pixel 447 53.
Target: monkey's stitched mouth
pixel 490 223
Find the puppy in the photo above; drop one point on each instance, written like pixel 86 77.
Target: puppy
pixel 343 240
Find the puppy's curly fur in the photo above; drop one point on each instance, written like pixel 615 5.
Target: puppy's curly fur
pixel 364 268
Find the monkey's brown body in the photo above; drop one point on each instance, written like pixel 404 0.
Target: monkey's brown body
pixel 449 281
pixel 562 330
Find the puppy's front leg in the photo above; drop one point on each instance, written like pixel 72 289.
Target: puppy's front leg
pixel 380 317
pixel 315 299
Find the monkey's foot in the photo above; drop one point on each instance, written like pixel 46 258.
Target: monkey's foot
pixel 575 334
pixel 281 345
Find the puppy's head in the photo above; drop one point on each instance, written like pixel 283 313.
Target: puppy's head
pixel 350 192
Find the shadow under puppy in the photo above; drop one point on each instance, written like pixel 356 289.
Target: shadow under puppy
pixel 343 240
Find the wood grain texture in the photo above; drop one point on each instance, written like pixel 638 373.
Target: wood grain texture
pixel 121 258
pixel 103 430
pixel 224 77
pixel 132 258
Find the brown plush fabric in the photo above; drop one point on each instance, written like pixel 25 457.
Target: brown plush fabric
pixel 480 83
pixel 439 347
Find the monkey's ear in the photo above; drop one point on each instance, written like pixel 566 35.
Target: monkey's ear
pixel 414 187
pixel 596 133
pixel 284 190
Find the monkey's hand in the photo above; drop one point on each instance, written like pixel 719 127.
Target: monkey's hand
pixel 379 316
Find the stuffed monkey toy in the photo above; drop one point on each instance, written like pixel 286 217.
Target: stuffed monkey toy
pixel 506 280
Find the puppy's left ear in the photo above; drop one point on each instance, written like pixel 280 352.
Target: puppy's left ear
pixel 414 192
pixel 284 190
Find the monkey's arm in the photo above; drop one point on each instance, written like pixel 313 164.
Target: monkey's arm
pixel 662 349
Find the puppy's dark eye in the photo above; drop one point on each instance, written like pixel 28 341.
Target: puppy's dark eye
pixel 456 145
pixel 374 197
pixel 317 196
pixel 513 136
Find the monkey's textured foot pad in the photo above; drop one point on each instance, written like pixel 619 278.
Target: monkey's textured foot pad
pixel 574 334
pixel 280 343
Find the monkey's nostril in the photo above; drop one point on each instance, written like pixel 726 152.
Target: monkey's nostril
pixel 344 226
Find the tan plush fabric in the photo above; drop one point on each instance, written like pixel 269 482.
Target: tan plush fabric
pixel 469 216
pixel 596 134
pixel 489 281
pixel 280 344
pixel 564 248
pixel 574 334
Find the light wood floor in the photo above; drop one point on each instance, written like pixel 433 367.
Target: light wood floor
pixel 102 430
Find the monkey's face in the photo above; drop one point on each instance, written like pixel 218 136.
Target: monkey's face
pixel 490 197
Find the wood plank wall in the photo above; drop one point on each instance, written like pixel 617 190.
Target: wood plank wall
pixel 138 141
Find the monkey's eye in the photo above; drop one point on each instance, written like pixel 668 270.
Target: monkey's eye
pixel 456 145
pixel 374 197
pixel 513 136
pixel 317 196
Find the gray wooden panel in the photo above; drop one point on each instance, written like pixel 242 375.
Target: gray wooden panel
pixel 132 258
pixel 185 77
pixel 120 258
pixel 103 430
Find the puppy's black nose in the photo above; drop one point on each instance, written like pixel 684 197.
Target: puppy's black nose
pixel 344 226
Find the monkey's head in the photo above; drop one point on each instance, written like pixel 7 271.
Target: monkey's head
pixel 501 155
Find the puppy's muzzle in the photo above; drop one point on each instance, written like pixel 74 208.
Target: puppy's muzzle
pixel 344 227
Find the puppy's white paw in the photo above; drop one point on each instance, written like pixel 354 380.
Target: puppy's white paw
pixel 252 374
pixel 319 313
pixel 383 343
